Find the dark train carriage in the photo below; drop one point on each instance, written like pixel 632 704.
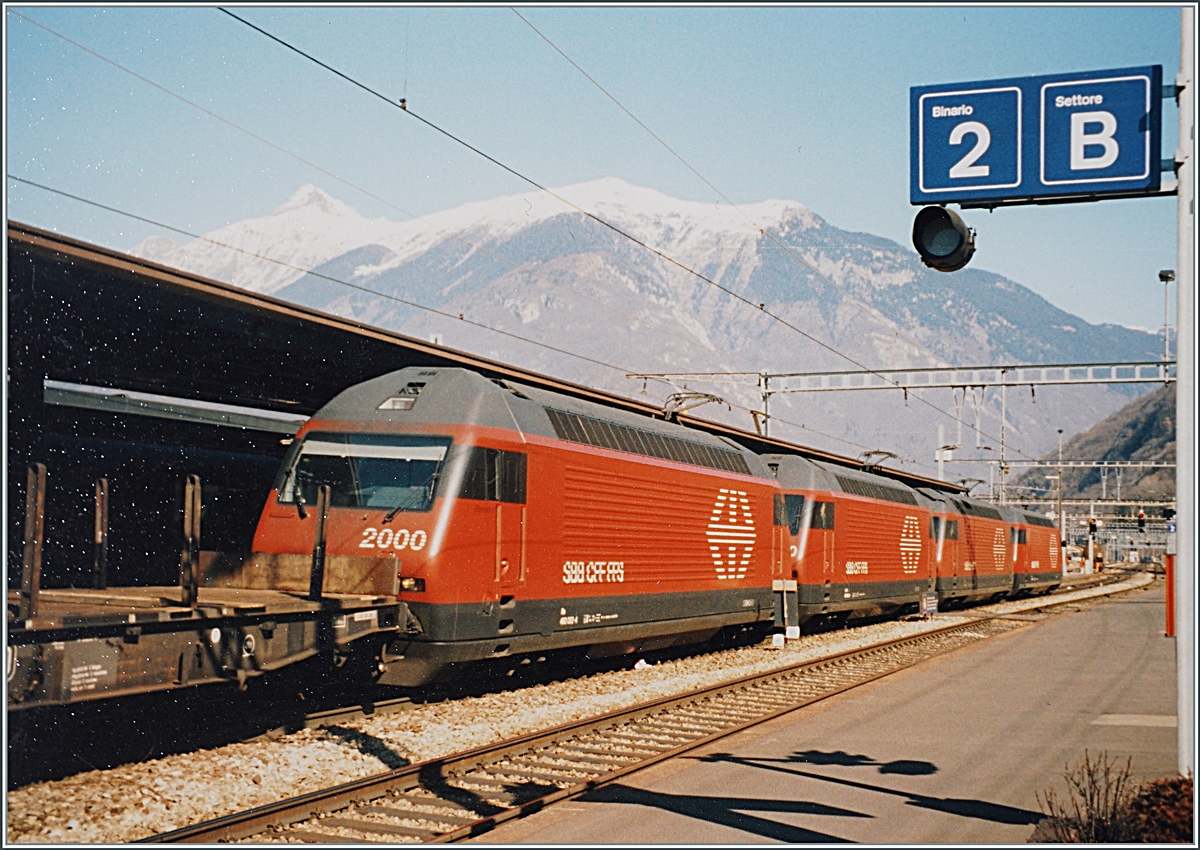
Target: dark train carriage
pixel 510 520
pixel 857 539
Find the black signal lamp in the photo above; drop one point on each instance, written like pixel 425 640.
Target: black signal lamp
pixel 943 240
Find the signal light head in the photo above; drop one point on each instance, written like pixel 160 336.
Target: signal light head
pixel 943 240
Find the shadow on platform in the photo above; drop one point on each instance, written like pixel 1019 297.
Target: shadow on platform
pixel 730 812
pixel 979 809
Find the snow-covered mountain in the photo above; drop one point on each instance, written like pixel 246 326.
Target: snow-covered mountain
pixel 529 279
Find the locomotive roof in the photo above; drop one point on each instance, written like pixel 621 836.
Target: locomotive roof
pixel 451 395
pixel 946 503
pixel 799 473
pixel 802 474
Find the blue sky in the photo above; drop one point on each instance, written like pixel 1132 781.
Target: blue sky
pixel 802 103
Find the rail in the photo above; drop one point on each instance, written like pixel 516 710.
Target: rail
pixel 468 793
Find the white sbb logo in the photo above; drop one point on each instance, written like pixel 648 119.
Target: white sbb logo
pixel 910 544
pixel 731 534
pixel 999 548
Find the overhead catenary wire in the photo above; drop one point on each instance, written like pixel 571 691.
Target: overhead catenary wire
pixel 762 230
pixel 671 260
pixel 334 176
pixel 372 195
pixel 537 185
pixel 331 279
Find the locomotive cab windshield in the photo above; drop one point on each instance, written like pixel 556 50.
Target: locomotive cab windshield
pixel 394 472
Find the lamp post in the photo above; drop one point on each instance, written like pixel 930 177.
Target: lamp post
pixel 1166 276
pixel 1058 478
pixel 1062 526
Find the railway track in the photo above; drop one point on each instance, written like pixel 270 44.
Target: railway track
pixel 469 793
pixel 57 744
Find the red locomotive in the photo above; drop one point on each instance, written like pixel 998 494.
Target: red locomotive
pixel 856 539
pixel 866 545
pixel 1037 564
pixel 509 520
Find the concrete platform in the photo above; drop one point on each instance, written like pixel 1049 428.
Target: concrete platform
pixel 952 751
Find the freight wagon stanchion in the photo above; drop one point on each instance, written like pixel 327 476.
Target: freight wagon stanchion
pixel 316 581
pixel 100 559
pixel 35 530
pixel 190 563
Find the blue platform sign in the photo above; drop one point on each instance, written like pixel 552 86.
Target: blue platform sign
pixel 1088 134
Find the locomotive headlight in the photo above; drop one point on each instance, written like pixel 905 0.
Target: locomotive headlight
pixel 416 585
pixel 943 240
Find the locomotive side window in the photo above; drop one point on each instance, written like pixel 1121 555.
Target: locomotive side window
pixel 494 475
pixel 781 517
pixel 1016 536
pixel 795 509
pixel 388 471
pixel 822 514
pixel 936 527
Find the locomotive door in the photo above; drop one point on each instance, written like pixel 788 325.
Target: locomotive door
pixel 825 546
pixel 498 477
pixel 822 534
pixel 510 545
pixel 777 550
pixel 949 564
pixel 970 553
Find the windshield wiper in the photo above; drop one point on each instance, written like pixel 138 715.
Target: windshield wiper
pixel 303 514
pixel 391 515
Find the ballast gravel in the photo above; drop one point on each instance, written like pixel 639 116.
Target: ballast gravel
pixel 134 801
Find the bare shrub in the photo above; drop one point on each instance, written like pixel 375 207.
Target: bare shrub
pixel 1097 807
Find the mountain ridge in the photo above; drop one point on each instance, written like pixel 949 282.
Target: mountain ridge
pixel 530 266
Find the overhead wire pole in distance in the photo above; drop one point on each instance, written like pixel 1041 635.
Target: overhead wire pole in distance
pixel 1185 398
